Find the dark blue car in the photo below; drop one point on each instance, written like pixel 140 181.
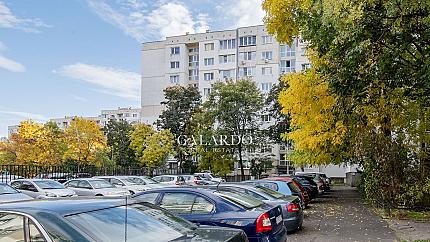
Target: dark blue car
pixel 261 222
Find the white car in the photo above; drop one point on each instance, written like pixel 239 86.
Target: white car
pixel 173 180
pixel 95 187
pixel 209 176
pixel 10 194
pixel 42 188
pixel 133 184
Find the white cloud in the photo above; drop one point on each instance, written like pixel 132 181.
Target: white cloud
pixel 245 12
pixel 9 64
pixel 9 20
pixel 112 81
pixel 79 98
pixel 25 115
pixel 136 20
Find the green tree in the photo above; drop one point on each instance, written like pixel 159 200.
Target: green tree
pixel 234 107
pixel 118 139
pixel 281 123
pixel 181 104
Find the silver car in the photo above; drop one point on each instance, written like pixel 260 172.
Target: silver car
pixel 42 188
pixel 10 194
pixel 133 184
pixel 95 187
pixel 170 180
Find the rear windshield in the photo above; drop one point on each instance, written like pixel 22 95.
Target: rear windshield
pixel 48 184
pixel 135 223
pixel 243 200
pixel 5 189
pixel 133 180
pixel 271 192
pixel 149 181
pixel 293 187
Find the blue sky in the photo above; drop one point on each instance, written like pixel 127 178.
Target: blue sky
pixel 77 57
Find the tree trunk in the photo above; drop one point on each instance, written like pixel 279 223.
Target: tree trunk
pixel 242 171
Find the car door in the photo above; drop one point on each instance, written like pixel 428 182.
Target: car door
pixel 189 206
pixel 84 189
pixel 15 227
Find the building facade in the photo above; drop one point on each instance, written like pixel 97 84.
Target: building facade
pixel 201 59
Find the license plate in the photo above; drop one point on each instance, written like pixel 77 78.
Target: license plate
pixel 278 219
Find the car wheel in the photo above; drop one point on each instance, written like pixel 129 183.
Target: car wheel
pixel 99 195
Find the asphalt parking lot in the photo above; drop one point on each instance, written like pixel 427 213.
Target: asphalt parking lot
pixel 340 215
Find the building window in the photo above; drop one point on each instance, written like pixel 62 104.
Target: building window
pixel 247 40
pixel 267 71
pixel 265 87
pixel 193 50
pixel 209 61
pixel 174 64
pixel 174 50
pixel 268 39
pixel 246 71
pixel 174 79
pixel 306 66
pixel 193 60
pixel 286 51
pixel 209 76
pixel 193 75
pixel 266 55
pixel 134 115
pixel 288 66
pixel 227 58
pixel 247 56
pixel 206 91
pixel 209 46
pixel 227 74
pixel 127 115
pixel 227 44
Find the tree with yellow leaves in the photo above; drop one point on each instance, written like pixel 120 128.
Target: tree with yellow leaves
pixel 84 139
pixel 151 147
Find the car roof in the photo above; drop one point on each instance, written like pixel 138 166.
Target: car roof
pixel 36 179
pixel 279 178
pixel 86 179
pixel 61 207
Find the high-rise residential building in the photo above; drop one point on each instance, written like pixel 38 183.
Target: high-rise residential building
pixel 201 59
pixel 204 58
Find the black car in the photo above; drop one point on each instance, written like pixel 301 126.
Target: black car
pixel 101 220
pixel 310 186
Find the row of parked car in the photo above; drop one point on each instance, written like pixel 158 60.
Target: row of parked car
pixel 133 208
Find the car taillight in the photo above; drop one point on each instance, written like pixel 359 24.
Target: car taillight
pixel 177 183
pixel 293 207
pixel 263 223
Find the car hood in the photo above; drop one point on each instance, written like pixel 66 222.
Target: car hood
pixel 14 197
pixel 214 234
pixel 112 191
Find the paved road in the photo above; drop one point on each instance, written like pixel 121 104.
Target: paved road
pixel 340 215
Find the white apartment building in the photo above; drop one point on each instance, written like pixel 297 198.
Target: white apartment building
pixel 204 58
pixel 201 59
pixel 131 115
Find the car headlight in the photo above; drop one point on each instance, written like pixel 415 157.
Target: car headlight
pixel 50 194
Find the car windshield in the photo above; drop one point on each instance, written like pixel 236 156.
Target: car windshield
pixel 243 200
pixel 48 184
pixel 271 192
pixel 134 223
pixel 100 184
pixel 5 189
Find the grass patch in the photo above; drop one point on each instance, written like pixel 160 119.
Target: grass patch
pixel 406 214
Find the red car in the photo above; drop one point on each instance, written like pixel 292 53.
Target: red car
pixel 304 195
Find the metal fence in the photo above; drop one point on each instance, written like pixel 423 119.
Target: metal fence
pixel 64 173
